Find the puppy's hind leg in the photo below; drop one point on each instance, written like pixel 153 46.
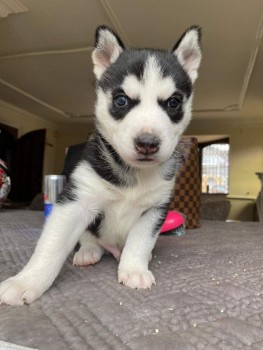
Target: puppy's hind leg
pixel 90 252
pixel 61 233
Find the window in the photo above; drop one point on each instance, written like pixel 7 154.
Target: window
pixel 215 168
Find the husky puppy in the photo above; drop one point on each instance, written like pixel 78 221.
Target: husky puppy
pixel 118 194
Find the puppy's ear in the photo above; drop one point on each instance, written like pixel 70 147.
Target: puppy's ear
pixel 108 46
pixel 188 51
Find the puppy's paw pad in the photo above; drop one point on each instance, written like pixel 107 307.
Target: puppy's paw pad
pixel 136 279
pixel 16 291
pixel 88 255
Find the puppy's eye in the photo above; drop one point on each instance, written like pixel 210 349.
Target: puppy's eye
pixel 173 102
pixel 121 100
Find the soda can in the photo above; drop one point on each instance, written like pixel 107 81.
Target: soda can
pixel 54 184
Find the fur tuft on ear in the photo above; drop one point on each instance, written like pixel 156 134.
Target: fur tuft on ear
pixel 188 51
pixel 108 46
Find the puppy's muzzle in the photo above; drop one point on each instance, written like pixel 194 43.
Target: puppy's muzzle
pixel 147 144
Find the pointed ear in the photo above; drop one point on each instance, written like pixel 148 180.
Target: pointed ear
pixel 188 51
pixel 108 46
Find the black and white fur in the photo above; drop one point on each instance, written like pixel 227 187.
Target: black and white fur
pixel 118 195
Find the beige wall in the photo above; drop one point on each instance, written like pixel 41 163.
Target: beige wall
pixel 57 137
pixel 246 158
pixel 67 136
pixel 25 122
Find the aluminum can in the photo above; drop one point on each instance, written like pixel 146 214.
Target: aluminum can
pixel 54 184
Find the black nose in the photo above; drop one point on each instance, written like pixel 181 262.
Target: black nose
pixel 147 144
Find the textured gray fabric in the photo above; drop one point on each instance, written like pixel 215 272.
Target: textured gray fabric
pixel 209 294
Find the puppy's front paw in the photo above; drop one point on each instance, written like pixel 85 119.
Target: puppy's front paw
pixel 143 279
pixel 18 291
pixel 88 254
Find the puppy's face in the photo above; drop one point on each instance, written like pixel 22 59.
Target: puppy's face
pixel 144 96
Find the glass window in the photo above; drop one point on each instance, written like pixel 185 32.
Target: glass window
pixel 215 168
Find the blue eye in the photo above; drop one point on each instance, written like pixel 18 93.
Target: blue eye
pixel 173 102
pixel 121 100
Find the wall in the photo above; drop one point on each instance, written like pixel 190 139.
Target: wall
pixel 57 137
pixel 246 158
pixel 67 136
pixel 25 122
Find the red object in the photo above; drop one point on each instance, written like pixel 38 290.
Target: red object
pixel 5 183
pixel 172 221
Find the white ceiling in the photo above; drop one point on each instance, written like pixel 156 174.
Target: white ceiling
pixel 45 65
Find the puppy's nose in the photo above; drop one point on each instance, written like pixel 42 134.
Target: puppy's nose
pixel 147 144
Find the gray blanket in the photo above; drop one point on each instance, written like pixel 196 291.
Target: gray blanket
pixel 209 294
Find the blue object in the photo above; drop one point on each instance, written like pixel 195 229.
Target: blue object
pixel 47 209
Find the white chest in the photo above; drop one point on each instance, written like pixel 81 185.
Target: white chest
pixel 127 206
